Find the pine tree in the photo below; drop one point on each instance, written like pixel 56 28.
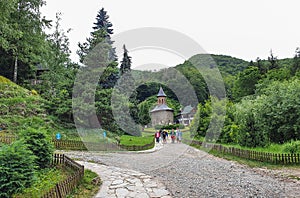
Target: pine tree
pixel 126 62
pixel 102 33
pixel 103 22
pixel 126 90
pixel 296 63
pixel 100 38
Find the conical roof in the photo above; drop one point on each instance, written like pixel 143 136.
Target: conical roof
pixel 161 93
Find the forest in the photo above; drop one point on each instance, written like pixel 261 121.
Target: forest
pixel 261 105
pixel 261 95
pixel 37 79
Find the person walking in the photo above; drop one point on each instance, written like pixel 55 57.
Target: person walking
pixel 173 136
pixel 157 136
pixel 164 134
pixel 178 135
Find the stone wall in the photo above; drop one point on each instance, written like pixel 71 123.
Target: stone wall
pixel 162 118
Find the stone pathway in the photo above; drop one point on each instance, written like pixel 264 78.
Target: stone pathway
pixel 118 183
pixel 185 172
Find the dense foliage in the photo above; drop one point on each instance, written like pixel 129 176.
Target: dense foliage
pixel 16 169
pixel 265 108
pixel 40 146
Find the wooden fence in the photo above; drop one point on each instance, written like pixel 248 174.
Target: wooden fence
pixel 82 146
pixel 274 158
pixel 7 139
pixel 63 188
pixel 79 145
pixel 69 145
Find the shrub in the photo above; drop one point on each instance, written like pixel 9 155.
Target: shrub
pixel 169 127
pixel 16 169
pixel 40 147
pixel 34 92
pixel 292 147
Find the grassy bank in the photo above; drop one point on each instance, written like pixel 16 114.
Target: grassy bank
pixel 127 140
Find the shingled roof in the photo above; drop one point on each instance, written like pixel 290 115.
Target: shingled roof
pixel 161 93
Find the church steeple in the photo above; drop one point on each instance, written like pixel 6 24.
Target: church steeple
pixel 161 97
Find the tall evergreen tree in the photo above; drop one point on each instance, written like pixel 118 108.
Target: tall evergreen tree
pixel 126 90
pixel 101 35
pixel 99 57
pixel 126 62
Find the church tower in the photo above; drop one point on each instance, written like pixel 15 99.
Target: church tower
pixel 162 114
pixel 161 97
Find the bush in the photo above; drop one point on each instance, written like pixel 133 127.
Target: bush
pixel 169 127
pixel 16 169
pixel 292 147
pixel 40 147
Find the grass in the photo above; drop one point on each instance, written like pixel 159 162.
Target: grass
pixel 44 181
pixel 86 188
pixel 48 178
pixel 127 140
pixel 86 135
pixel 273 148
pixel 250 163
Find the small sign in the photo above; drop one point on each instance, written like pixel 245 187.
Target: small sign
pixel 58 136
pixel 104 134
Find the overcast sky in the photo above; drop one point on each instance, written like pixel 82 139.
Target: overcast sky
pixel 243 29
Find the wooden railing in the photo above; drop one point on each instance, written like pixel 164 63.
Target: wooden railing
pixel 63 188
pixel 7 139
pixel 79 145
pixel 274 158
pixel 69 145
pixel 82 146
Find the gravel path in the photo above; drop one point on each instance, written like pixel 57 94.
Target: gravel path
pixel 188 172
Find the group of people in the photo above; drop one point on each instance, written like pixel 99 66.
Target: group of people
pixel 163 135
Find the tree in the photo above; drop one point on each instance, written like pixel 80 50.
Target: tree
pixel 250 134
pixel 273 61
pixel 98 56
pixel 58 80
pixel 143 114
pixel 127 96
pixel 296 62
pixel 126 62
pixel 245 83
pixel 101 35
pixel 25 46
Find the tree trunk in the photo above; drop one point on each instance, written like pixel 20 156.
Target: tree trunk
pixel 16 70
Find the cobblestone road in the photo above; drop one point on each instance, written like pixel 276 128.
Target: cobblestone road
pixel 187 172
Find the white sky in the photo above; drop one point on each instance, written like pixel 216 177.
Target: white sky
pixel 239 28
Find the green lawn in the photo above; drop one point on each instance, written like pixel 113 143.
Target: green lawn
pixel 127 140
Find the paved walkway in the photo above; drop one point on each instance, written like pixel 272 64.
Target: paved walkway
pixel 119 183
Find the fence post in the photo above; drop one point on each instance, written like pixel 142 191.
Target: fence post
pixel 58 191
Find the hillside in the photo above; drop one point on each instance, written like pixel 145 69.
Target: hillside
pixel 20 108
pixel 226 64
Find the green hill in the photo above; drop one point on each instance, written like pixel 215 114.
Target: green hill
pixel 20 108
pixel 226 64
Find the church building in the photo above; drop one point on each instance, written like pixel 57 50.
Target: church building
pixel 162 114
